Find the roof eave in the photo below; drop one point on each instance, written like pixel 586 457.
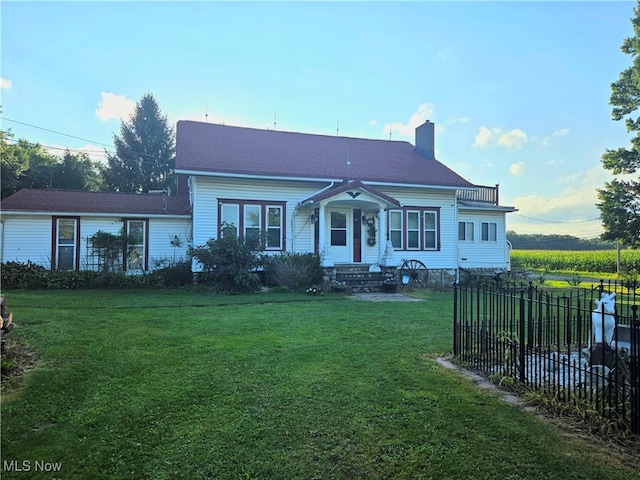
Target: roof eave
pixel 52 213
pixel 320 179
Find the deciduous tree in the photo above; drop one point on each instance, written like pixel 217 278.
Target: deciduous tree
pixel 620 198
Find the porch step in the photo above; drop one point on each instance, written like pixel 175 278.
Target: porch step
pixel 359 278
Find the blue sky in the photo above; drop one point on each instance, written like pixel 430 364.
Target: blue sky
pixel 519 91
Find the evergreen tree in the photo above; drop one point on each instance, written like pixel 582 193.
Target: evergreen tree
pixel 620 199
pixel 145 151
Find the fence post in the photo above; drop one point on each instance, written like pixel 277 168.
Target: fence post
pixel 521 338
pixel 634 366
pixel 456 347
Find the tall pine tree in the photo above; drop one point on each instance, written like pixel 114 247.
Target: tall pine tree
pixel 620 199
pixel 145 151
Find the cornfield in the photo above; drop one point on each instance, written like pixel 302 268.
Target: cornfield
pixel 580 261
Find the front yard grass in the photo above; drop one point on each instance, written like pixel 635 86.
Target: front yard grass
pixel 186 385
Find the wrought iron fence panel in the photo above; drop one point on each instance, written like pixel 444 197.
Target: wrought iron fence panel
pixel 547 342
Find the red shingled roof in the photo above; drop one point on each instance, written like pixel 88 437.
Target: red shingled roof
pixel 71 201
pixel 220 149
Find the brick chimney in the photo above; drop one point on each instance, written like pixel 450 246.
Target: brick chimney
pixel 425 140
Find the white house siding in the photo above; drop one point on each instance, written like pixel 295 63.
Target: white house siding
pixel 478 254
pixel 161 233
pixel 445 257
pixel 27 238
pixel 89 226
pixel 299 229
pixel 298 226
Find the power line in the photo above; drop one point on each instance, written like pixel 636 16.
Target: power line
pixel 110 152
pixel 53 131
pixel 555 221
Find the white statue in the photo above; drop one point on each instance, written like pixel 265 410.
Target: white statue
pixel 607 301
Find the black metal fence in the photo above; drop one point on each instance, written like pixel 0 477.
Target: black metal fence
pixel 546 341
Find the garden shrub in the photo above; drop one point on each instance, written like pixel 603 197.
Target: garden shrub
pixel 175 275
pixel 229 262
pixel 295 271
pixel 28 275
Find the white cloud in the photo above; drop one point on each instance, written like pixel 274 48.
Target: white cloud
pixel 424 113
pixel 459 119
pixel 553 162
pixel 517 168
pixel 114 107
pixel 5 84
pixel 571 211
pixel 496 137
pixel 546 141
pixel 373 122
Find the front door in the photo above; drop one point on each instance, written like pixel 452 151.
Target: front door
pixel 340 234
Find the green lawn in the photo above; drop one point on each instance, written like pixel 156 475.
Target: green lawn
pixel 186 385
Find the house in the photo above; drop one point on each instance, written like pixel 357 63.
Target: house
pixel 373 204
pixel 54 228
pixel 354 201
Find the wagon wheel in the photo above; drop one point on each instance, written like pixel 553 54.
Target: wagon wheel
pixel 414 273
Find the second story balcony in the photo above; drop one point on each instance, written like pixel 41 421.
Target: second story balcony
pixel 484 194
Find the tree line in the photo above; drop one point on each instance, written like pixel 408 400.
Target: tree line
pixel 143 160
pixel 556 242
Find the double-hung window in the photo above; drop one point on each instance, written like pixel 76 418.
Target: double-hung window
pixel 252 224
pixel 489 231
pixel 229 218
pixel 414 228
pixel 430 231
pixel 136 255
pixel 253 221
pixel 274 236
pixel 465 231
pixel 395 229
pixel 66 243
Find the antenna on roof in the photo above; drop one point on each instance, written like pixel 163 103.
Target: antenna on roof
pixel 206 112
pixel 274 120
pixel 338 127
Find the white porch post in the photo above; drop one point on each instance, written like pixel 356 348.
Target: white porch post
pixel 387 257
pixel 382 234
pixel 326 260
